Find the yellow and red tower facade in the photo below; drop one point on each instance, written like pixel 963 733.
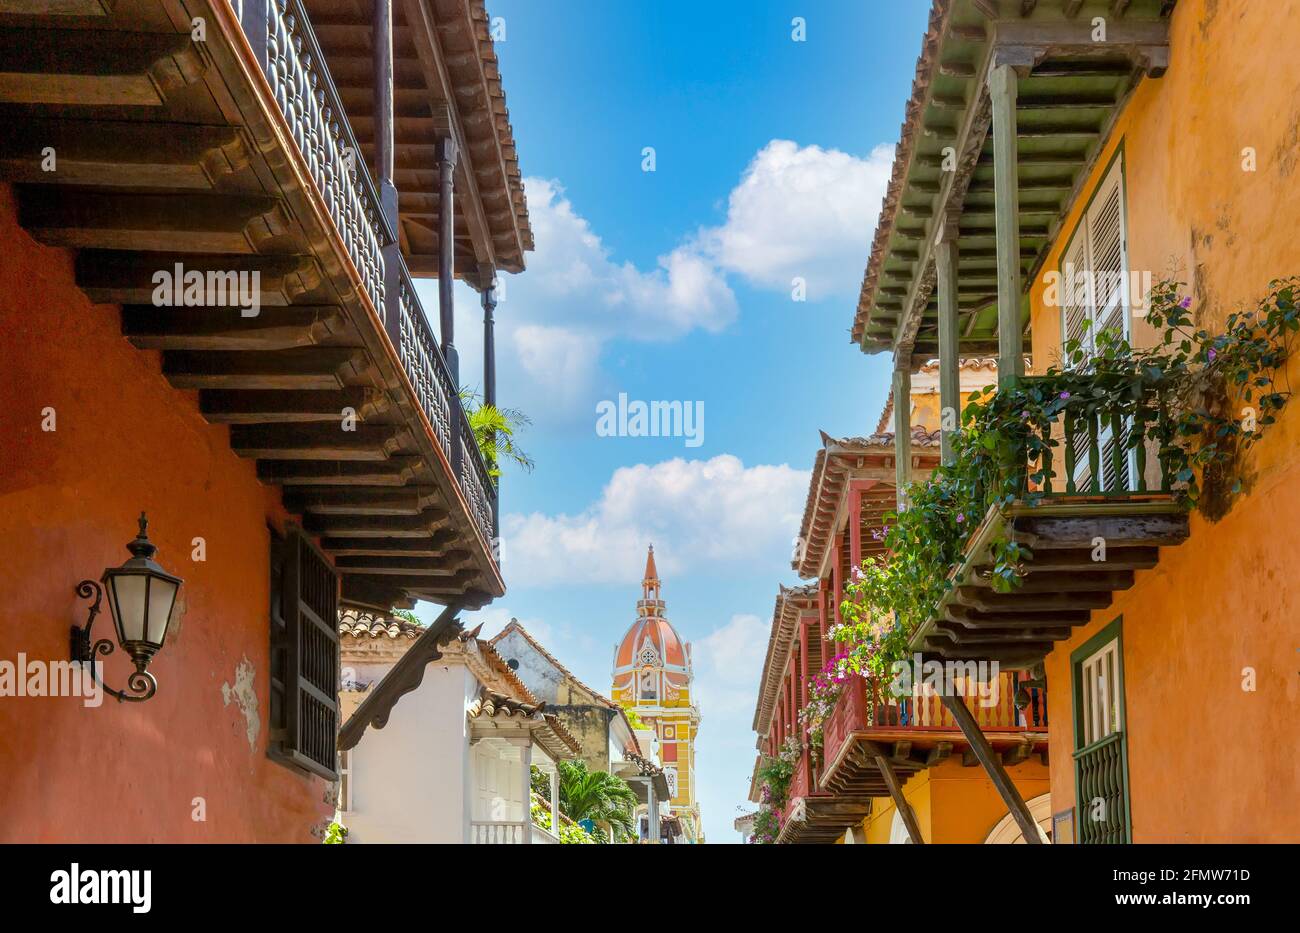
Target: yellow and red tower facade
pixel 653 678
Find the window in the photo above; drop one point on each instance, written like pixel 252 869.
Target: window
pixel 1094 269
pixel 1100 681
pixel 1096 297
pixel 304 710
pixel 1101 745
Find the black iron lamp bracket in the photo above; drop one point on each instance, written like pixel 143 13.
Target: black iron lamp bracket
pixel 141 683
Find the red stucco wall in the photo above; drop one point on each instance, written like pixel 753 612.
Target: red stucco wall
pixel 126 441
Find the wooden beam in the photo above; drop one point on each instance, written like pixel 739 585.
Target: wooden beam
pixel 363 500
pixel 1099 578
pixel 394 471
pixel 89 67
pixel 902 431
pixel 308 368
pixel 1002 90
pixel 266 406
pixel 992 763
pixel 149 327
pixel 949 361
pixel 315 441
pixel 121 152
pixel 378 526
pixel 424 36
pixel 175 221
pixel 896 793
pixel 127 277
pixel 434 546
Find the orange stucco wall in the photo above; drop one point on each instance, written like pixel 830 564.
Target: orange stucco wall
pixel 125 440
pixel 1209 761
pixel 953 803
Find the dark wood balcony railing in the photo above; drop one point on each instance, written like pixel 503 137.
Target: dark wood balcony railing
pixel 427 369
pixel 286 48
pixel 281 36
pixel 864 706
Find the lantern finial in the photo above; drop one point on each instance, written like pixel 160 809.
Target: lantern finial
pixel 141 546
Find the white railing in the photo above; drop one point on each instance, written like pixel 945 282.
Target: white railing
pixel 544 836
pixel 498 832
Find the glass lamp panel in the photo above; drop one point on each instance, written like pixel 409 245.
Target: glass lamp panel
pixel 128 605
pixel 162 596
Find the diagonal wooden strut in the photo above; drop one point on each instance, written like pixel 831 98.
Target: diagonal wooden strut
pixel 992 763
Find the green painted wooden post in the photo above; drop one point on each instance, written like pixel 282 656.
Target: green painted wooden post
pixel 1002 90
pixel 1117 454
pixel 1140 452
pixel 1048 473
pixel 1094 454
pixel 949 382
pixel 1070 487
pixel 902 429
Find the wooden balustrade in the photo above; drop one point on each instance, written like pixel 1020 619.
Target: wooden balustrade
pixel 500 832
pixel 1104 449
pixel 281 36
pixel 864 706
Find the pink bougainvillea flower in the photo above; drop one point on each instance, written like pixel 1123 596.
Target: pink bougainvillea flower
pixel 1186 302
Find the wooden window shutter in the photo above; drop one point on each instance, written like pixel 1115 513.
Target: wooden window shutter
pixel 1107 261
pixel 1076 296
pixel 304 657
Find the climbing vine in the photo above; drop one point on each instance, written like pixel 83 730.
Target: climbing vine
pixel 774 776
pixel 1199 400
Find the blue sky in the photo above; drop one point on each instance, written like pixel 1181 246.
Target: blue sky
pixel 771 157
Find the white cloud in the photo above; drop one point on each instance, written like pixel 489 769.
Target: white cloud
pixel 728 662
pixel 795 211
pixel 695 511
pixel 802 211
pixel 578 283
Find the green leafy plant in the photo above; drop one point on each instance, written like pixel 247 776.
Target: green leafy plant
pixel 407 615
pixel 634 720
pixel 494 433
pixel 774 776
pixel 599 796
pixel 335 834
pixel 570 832
pixel 1200 399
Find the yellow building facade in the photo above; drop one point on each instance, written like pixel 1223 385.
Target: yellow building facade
pixel 653 680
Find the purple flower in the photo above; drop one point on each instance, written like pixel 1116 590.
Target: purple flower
pixel 1064 396
pixel 961 517
pixel 1210 354
pixel 1186 302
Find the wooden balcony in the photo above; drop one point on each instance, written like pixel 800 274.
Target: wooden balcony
pixel 1097 503
pixel 234 156
pixel 914 733
pixel 815 816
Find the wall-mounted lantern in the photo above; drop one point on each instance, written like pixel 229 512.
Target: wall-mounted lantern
pixel 141 596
